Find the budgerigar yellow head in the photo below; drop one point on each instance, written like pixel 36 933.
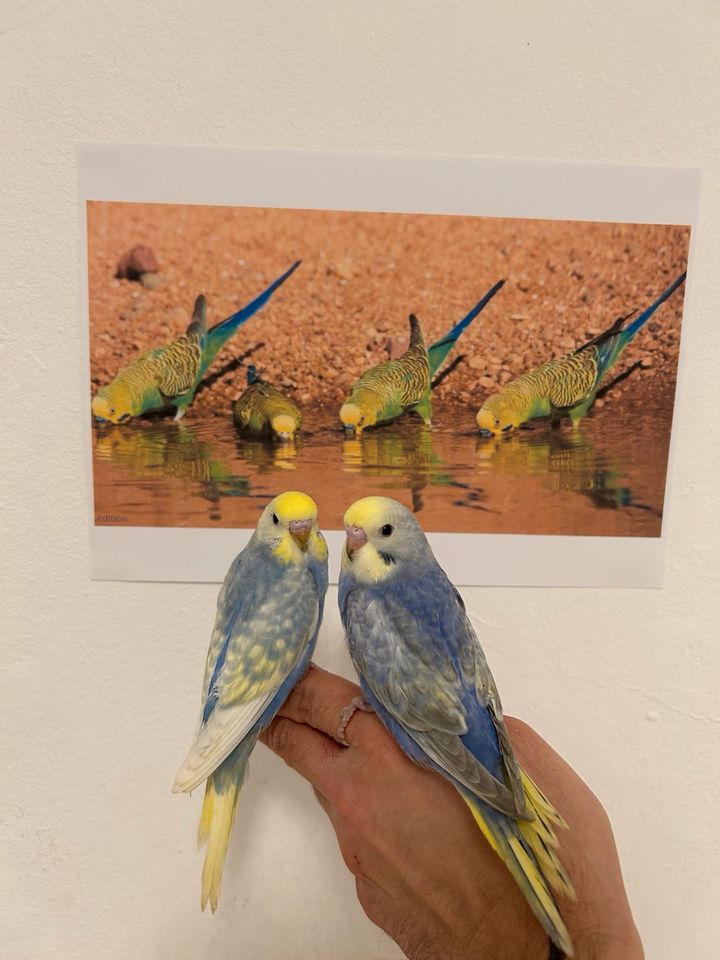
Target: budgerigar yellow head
pixel 113 404
pixel 499 414
pixel 284 426
pixel 288 525
pixel 358 412
pixel 383 540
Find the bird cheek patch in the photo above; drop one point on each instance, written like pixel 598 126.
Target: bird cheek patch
pixel 287 550
pixel 369 565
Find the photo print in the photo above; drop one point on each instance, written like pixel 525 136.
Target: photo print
pixel 512 379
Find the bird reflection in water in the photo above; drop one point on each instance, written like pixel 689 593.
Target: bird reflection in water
pixel 267 454
pixel 153 450
pixel 403 453
pixel 562 460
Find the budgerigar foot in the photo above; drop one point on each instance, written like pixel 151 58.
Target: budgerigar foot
pixel 346 715
pixel 180 413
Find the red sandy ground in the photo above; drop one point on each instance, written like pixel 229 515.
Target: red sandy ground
pixel 362 274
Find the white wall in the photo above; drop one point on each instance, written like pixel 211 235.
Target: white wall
pixel 98 859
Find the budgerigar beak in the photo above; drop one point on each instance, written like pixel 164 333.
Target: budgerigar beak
pixel 487 433
pixel 356 538
pixel 300 532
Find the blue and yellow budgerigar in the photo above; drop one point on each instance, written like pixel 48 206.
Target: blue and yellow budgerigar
pixel 168 375
pixel 268 615
pixel 567 385
pixel 424 673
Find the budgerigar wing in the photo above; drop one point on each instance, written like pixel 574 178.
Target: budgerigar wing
pixel 178 367
pixel 416 650
pixel 266 617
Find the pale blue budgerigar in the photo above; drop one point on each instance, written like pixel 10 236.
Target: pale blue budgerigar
pixel 268 616
pixel 424 673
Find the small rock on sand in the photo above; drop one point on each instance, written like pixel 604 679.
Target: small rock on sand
pixel 140 259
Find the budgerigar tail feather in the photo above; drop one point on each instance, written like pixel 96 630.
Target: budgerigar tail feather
pixel 611 343
pixel 442 347
pixel 198 324
pixel 417 339
pixel 222 791
pixel 529 850
pixel 540 835
pixel 633 328
pixel 219 334
pixel 216 821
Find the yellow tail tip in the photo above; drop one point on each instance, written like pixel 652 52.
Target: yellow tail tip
pixel 528 850
pixel 216 822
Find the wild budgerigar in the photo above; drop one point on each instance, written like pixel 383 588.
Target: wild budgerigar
pixel 168 376
pixel 566 386
pixel 424 673
pixel 263 410
pixel 268 615
pixel 389 389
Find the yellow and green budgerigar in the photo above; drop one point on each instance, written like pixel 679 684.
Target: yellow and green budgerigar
pixel 262 410
pixel 395 387
pixel 424 673
pixel 566 386
pixel 168 376
pixel 268 615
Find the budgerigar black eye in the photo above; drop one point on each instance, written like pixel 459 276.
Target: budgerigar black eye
pixel 275 518
pixel 386 530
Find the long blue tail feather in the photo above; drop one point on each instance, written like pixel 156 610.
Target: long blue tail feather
pixel 633 328
pixel 612 343
pixel 439 350
pixel 218 335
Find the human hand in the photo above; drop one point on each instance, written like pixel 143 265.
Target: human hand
pixel 423 871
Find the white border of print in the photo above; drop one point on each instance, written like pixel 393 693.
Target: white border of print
pixel 467 186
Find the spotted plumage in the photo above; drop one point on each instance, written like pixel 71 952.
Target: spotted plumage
pixel 168 375
pixel 567 385
pixel 395 387
pixel 262 410
pixel 268 615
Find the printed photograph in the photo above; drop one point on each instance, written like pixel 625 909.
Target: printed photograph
pixel 505 376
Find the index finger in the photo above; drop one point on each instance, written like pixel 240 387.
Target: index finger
pixel 318 701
